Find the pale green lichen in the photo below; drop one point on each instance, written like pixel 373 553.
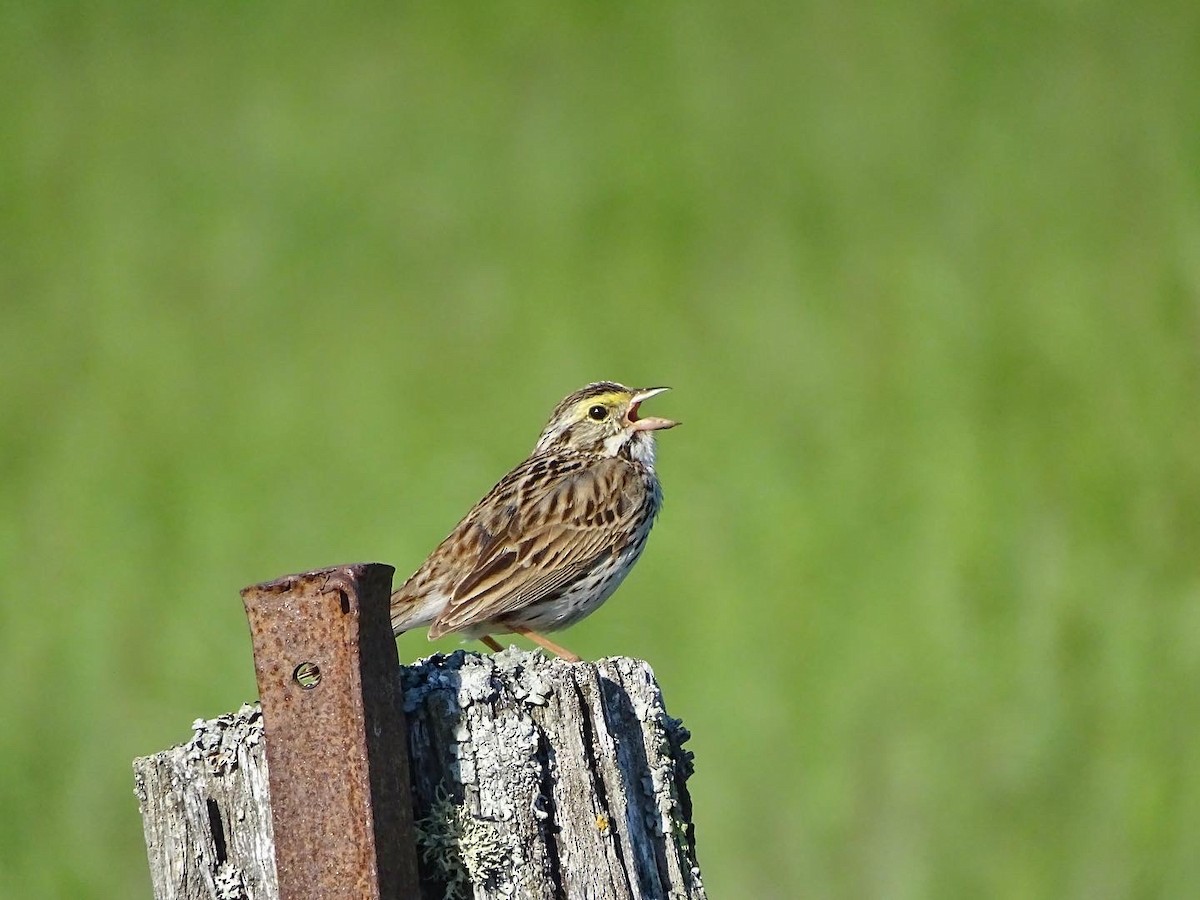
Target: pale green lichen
pixel 459 850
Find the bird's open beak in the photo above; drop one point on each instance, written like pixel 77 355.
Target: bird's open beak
pixel 650 423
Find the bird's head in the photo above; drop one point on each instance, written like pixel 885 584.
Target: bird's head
pixel 605 418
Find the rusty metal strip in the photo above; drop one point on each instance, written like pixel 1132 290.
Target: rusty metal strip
pixel 337 749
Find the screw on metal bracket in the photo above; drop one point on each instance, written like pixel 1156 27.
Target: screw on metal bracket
pixel 336 740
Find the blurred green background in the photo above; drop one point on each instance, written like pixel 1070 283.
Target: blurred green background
pixel 283 286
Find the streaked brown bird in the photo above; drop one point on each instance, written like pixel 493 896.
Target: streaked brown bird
pixel 556 536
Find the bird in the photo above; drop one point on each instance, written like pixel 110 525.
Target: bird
pixel 556 536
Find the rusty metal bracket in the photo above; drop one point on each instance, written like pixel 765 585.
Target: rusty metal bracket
pixel 336 741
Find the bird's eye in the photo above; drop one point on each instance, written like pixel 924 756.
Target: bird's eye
pixel 598 413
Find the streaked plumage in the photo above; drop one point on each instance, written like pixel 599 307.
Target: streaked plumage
pixel 556 536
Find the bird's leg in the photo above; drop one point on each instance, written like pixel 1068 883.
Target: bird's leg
pixel 543 641
pixel 490 642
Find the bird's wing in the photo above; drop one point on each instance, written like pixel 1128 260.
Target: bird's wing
pixel 554 528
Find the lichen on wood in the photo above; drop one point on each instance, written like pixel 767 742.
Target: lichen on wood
pixel 206 812
pixel 531 778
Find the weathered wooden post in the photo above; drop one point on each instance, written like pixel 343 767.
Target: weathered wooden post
pixel 529 777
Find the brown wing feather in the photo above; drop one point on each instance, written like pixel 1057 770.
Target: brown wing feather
pixel 562 520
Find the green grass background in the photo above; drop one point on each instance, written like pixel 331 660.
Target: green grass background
pixel 289 285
